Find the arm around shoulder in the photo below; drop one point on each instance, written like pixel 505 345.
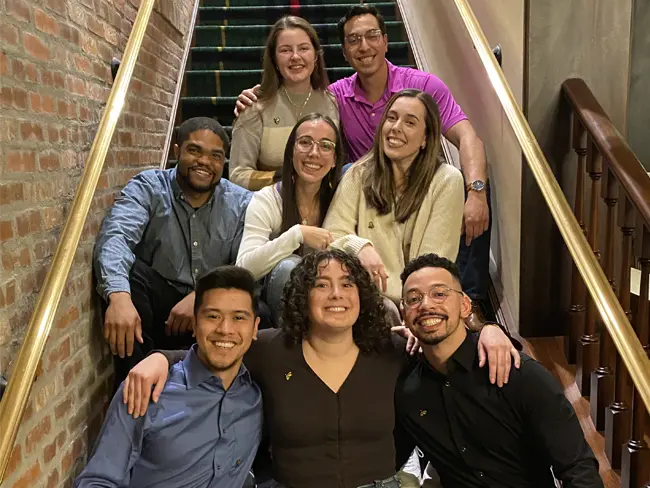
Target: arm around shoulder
pixel 245 151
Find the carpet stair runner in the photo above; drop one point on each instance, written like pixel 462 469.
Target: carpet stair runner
pixel 228 44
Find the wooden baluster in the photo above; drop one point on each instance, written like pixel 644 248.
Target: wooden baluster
pixel 635 466
pixel 589 344
pixel 576 313
pixel 618 418
pixel 602 380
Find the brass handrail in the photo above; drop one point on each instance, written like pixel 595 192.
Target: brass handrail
pixel 15 397
pixel 618 326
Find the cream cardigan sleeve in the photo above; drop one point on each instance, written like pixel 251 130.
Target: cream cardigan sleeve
pixel 445 208
pixel 258 253
pixel 343 215
pixel 245 151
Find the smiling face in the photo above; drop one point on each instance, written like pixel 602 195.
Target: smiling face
pixel 312 162
pixel 225 328
pixel 200 161
pixel 429 321
pixel 295 56
pixel 334 299
pixel 404 130
pixel 368 55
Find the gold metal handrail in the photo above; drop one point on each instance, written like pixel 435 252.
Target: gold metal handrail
pixel 16 395
pixel 618 326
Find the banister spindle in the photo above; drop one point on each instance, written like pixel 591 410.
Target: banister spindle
pixel 588 344
pixel 635 466
pixel 618 418
pixel 602 379
pixel 576 313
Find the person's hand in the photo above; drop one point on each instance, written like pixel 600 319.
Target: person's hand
pixel 315 237
pixel 476 216
pixel 246 99
pixel 495 346
pixel 122 324
pixel 412 343
pixel 181 318
pixel 150 371
pixel 374 265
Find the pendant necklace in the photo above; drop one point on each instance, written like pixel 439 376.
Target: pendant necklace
pixel 299 107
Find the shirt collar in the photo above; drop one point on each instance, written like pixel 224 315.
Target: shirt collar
pixel 196 373
pixel 178 192
pixel 394 84
pixel 463 358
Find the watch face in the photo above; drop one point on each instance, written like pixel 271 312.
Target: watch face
pixel 478 185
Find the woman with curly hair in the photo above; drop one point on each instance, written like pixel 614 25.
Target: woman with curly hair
pixel 327 378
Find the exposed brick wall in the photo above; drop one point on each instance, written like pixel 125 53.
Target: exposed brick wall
pixel 54 82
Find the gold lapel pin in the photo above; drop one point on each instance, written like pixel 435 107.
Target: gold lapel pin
pixel 276 120
pixel 288 375
pixel 423 412
pixel 371 225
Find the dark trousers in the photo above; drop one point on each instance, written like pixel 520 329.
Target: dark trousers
pixel 474 261
pixel 154 298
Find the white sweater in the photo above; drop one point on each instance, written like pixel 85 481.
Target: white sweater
pixel 262 246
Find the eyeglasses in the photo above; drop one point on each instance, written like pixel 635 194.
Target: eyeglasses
pixel 372 37
pixel 305 144
pixel 438 294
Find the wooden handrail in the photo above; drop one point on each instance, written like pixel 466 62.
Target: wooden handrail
pixel 621 159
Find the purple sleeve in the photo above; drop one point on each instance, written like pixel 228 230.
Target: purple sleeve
pixel 450 111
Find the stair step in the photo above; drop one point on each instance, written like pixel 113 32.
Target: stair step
pixel 265 14
pixel 250 57
pixel 229 83
pixel 255 35
pixel 255 3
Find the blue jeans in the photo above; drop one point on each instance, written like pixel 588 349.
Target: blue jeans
pixel 274 286
pixel 474 260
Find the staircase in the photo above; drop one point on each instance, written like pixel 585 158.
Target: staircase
pixel 228 46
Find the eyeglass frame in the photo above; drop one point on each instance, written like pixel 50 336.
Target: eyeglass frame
pixel 428 294
pixel 314 142
pixel 358 37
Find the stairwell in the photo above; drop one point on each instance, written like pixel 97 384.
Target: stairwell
pixel 228 45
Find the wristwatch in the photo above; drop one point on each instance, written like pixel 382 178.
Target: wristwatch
pixel 476 185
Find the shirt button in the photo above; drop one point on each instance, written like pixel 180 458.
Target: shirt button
pixel 463 449
pixel 218 466
pixel 196 270
pixel 195 244
pixel 193 216
pixel 224 431
pixel 447 383
pixel 238 462
pixel 480 474
pixel 372 114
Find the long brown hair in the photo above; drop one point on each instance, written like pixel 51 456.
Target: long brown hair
pixel 379 183
pixel 290 213
pixel 271 77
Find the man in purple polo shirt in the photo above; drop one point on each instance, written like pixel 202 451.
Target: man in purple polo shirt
pixel 361 99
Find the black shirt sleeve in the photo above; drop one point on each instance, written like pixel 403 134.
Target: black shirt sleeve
pixel 172 357
pixel 556 427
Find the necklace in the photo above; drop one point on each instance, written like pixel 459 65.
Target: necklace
pixel 299 107
pixel 305 220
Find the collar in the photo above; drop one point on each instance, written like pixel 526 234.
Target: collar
pixel 394 84
pixel 196 373
pixel 464 358
pixel 178 191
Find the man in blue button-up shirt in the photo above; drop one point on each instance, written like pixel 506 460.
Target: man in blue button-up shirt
pixel 167 228
pixel 205 428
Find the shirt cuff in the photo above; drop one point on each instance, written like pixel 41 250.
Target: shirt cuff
pixel 115 287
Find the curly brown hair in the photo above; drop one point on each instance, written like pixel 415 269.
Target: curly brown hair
pixel 371 331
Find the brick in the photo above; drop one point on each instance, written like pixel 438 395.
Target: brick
pixel 10 192
pixel 46 23
pixel 57 6
pixel 28 222
pixel 52 217
pixel 9 34
pixel 49 160
pixel 35 47
pixel 64 407
pixel 67 318
pixel 70 372
pixel 21 161
pixel 18 10
pixel 8 294
pixel 14 460
pixel 30 478
pixel 37 433
pixel 3 64
pixel 53 479
pixel 6 230
pixel 49 452
pixel 31 131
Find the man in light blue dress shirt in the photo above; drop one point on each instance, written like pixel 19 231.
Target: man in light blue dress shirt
pixel 165 229
pixel 206 426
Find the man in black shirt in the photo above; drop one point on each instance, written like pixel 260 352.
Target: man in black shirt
pixel 474 433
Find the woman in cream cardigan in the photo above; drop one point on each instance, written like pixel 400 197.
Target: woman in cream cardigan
pixel 399 201
pixel 284 220
pixel 294 83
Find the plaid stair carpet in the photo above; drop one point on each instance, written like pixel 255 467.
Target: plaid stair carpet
pixel 228 44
